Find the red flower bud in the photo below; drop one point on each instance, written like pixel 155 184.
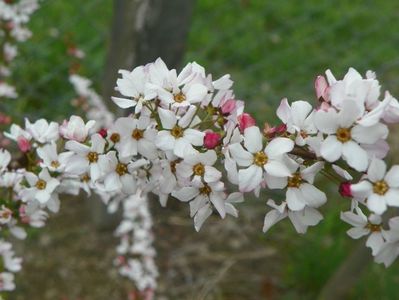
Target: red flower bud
pixel 345 189
pixel 23 144
pixel 228 106
pixel 211 139
pixel 103 132
pixel 244 121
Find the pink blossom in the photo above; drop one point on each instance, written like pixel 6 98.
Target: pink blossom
pixel 321 87
pixel 244 121
pixel 228 106
pixel 23 144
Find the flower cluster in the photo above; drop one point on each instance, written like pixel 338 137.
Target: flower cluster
pixel 14 14
pixel 186 136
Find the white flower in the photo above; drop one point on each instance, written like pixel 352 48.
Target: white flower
pixel 300 219
pixel 51 159
pixel 5 215
pixel 258 159
pixel 7 281
pixel 199 166
pixel 344 136
pixel 86 158
pixel 176 136
pixel 136 137
pixel 75 129
pixel 201 198
pixel 5 158
pixel 136 86
pixel 390 250
pixel 380 188
pixel 118 173
pixel 41 187
pixel 42 131
pixel 365 226
pixel 299 119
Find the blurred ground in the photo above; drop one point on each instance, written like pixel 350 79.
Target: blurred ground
pixel 272 49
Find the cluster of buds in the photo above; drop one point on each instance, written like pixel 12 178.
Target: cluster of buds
pixel 14 15
pixel 187 137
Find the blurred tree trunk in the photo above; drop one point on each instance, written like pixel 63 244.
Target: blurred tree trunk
pixel 142 31
pixel 341 283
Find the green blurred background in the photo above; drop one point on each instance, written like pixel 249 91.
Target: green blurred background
pixel 272 49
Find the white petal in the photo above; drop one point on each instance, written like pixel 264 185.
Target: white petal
pixel 271 218
pixel 375 242
pixel 376 170
pixel 349 113
pixel 331 149
pixel 376 204
pixel 300 110
pixel 275 182
pixel 212 174
pixel 392 197
pixel 186 193
pixel 253 139
pixel 295 199
pixel 326 122
pixel 218 202
pixel 165 141
pixel 279 146
pixel 195 137
pixel 277 168
pixel 201 216
pixel 313 197
pixel 355 156
pixel 196 93
pixel 358 232
pixel 392 177
pixel 361 190
pixel 369 135
pixel 123 103
pixel 168 118
pixel 250 178
pixel 243 158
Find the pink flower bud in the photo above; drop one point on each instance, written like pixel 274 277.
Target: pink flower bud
pixel 211 139
pixel 23 144
pixel 103 132
pixel 321 87
pixel 244 121
pixel 228 106
pixel 345 189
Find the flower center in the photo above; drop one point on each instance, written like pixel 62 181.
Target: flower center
pixel 115 138
pixel 121 169
pixel 294 181
pixel 85 178
pixel 343 135
pixel 303 134
pixel 199 169
pixel 41 184
pixel 55 164
pixel 380 187
pixel 137 134
pixel 373 227
pixel 260 158
pixel 177 132
pixel 205 190
pixel 173 166
pixel 179 98
pixel 92 157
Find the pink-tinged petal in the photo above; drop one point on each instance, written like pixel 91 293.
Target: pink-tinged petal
pixel 326 121
pixel 243 158
pixel 245 121
pixel 376 170
pixel 212 174
pixel 369 135
pixel 250 178
pixel 201 216
pixel 295 199
pixel 349 113
pixel 253 139
pixel 277 168
pixel 218 203
pixel 195 137
pixel 279 146
pixel 355 156
pixel 275 182
pixel 392 177
pixel 165 141
pixel 321 86
pixel 358 232
pixel 313 197
pixel 361 190
pixel 376 204
pixel 392 197
pixel 284 111
pixel 186 193
pixel 123 103
pixel 375 242
pixel 168 118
